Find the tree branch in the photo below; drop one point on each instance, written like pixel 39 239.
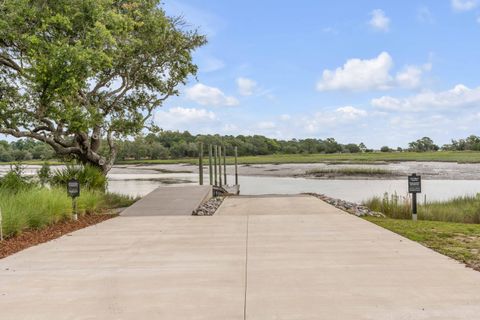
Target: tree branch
pixel 6 61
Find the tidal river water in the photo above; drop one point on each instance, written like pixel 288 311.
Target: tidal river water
pixel 270 179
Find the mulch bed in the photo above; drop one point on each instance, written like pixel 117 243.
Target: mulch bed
pixel 29 238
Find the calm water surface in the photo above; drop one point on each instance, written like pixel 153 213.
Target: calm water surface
pixel 140 181
pixel 351 190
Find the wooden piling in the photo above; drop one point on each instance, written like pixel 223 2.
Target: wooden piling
pixel 224 166
pixel 215 155
pixel 236 166
pixel 220 164
pixel 200 164
pixel 210 167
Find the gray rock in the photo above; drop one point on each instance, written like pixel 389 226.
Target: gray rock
pixel 209 207
pixel 350 207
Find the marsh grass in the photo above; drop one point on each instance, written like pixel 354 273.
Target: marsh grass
pixel 357 158
pixel 349 172
pixel 37 207
pixel 462 209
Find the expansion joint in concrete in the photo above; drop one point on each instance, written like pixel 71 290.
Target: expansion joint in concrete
pixel 246 273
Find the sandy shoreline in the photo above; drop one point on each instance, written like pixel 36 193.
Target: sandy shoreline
pixel 399 170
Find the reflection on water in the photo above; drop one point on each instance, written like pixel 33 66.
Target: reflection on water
pixel 351 190
pixel 358 190
pixel 141 184
pixel 140 181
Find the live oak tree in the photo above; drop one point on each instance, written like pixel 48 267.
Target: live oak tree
pixel 76 73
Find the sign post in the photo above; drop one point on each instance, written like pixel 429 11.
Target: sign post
pixel 73 190
pixel 414 187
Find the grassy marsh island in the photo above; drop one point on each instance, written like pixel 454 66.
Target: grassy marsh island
pixel 338 158
pixel 339 172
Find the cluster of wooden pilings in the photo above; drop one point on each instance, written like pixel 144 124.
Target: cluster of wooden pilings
pixel 217 165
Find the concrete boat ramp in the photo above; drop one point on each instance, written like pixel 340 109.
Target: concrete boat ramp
pixel 264 257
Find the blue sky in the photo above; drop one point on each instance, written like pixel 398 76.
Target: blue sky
pixel 378 72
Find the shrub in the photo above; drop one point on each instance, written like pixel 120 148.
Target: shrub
pixel 44 174
pixel 89 177
pixel 115 200
pixel 14 181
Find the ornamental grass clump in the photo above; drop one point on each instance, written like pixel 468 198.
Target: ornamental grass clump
pixel 38 207
pixel 393 206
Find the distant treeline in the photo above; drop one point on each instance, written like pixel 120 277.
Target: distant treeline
pixel 174 144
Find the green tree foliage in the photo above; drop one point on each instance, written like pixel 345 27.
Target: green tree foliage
pixel 471 143
pixel 74 74
pixel 422 145
pixel 173 144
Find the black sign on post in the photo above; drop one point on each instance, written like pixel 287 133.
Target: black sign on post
pixel 414 187
pixel 414 184
pixel 73 189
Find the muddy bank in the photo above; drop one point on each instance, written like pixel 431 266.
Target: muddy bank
pixel 393 170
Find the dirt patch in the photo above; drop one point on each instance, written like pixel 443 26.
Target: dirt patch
pixel 29 238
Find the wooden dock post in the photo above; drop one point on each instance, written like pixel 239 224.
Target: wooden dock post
pixel 220 164
pixel 215 155
pixel 210 168
pixel 224 165
pixel 236 166
pixel 200 164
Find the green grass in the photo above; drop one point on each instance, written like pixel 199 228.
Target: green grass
pixel 462 209
pixel 457 240
pixel 336 158
pixel 353 158
pixel 34 162
pixel 349 172
pixel 38 207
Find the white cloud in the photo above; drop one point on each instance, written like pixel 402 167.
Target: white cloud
pixel 359 75
pixel 179 118
pixel 330 119
pixel 212 96
pixel 458 97
pixel 285 117
pixel 371 74
pixel 351 113
pixel 464 5
pixel 246 86
pixel 409 77
pixel 379 20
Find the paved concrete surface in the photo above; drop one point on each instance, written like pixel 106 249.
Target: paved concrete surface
pixel 131 268
pixel 274 205
pixel 170 201
pixel 315 263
